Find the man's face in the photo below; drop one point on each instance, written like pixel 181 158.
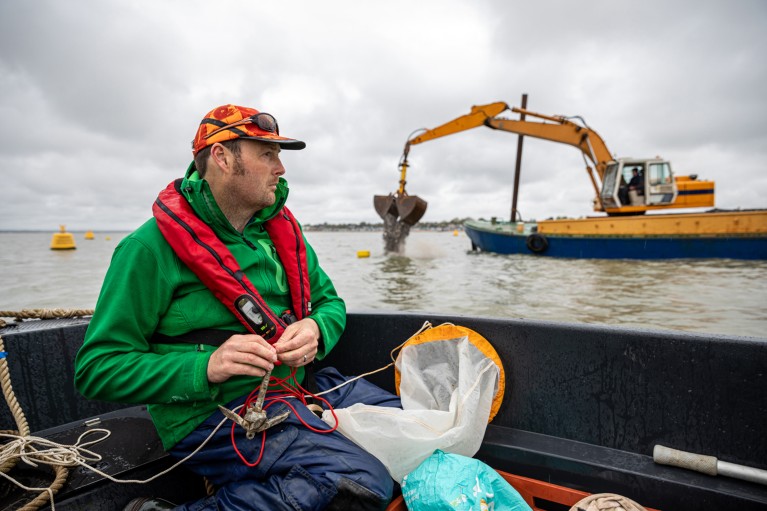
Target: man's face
pixel 256 174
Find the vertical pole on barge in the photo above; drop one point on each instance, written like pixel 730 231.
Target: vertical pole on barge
pixel 518 164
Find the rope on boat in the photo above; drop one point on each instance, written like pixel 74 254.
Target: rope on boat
pixel 21 448
pixel 606 502
pixel 43 314
pixel 22 427
pixel 56 455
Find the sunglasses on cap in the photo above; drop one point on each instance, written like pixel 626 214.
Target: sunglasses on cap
pixel 265 122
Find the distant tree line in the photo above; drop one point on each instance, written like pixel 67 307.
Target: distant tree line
pixel 445 225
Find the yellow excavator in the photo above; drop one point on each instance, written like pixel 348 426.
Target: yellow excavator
pixel 655 186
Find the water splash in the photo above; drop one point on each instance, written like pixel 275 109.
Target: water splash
pixel 394 235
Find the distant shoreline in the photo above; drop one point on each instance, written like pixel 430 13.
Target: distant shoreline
pixel 420 226
pixel 451 225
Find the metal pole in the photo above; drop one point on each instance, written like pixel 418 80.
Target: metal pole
pixel 518 164
pixel 707 464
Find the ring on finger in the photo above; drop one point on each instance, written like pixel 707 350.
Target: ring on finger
pixel 304 359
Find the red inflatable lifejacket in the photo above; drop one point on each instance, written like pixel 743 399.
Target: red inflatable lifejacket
pixel 205 254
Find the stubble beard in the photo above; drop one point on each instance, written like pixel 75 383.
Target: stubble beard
pixel 267 198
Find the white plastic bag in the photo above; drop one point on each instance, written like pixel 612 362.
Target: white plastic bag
pixel 451 383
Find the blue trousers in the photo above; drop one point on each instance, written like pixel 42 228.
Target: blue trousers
pixel 300 470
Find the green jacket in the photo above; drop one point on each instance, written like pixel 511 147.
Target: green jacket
pixel 147 289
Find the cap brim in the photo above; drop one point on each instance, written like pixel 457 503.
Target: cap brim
pixel 284 143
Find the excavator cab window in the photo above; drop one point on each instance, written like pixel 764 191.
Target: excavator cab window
pixel 660 173
pixel 612 191
pixel 660 183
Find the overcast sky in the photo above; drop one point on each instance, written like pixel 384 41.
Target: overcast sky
pixel 99 100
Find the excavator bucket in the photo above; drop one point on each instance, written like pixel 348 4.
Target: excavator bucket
pixel 385 205
pixel 410 208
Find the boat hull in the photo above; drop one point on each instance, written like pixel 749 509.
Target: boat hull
pixel 623 247
pixel 660 237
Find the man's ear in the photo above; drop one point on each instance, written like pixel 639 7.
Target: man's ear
pixel 221 157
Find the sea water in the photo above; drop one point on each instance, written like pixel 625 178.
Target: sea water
pixel 439 274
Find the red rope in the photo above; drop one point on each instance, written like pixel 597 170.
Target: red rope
pixel 287 392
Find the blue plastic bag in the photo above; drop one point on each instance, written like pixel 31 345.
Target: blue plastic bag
pixel 453 482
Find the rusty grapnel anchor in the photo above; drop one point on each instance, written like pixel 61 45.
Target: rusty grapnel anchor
pixel 255 419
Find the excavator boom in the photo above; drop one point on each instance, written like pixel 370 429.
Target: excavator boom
pixel 475 118
pixel 561 130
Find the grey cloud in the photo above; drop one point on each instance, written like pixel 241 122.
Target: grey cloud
pixel 100 100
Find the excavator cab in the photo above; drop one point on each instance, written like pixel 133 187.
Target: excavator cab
pixel 631 185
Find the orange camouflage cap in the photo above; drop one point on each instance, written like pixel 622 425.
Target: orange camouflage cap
pixel 229 122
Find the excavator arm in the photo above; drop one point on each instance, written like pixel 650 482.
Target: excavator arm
pixel 563 130
pixel 477 117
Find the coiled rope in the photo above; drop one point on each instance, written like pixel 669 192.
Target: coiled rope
pixel 606 502
pixel 21 447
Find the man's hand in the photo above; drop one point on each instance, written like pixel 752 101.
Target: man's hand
pixel 299 343
pixel 248 355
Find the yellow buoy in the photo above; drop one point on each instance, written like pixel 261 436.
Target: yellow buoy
pixel 63 240
pixel 455 232
pixel 363 253
pixel 89 235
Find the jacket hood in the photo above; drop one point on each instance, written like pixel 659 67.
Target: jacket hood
pixel 197 192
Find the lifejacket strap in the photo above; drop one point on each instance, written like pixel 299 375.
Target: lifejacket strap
pixel 198 246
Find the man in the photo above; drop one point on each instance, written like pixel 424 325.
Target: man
pixel 196 308
pixel 636 187
pixel 636 182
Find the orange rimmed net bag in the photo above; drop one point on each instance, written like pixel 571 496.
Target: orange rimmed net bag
pixel 451 382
